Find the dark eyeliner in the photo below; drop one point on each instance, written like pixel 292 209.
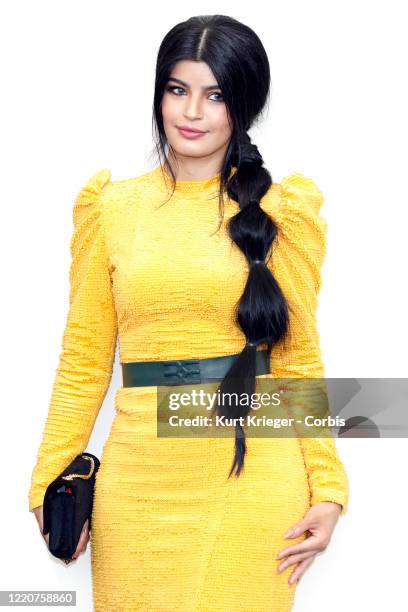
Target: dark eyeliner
pixel 170 88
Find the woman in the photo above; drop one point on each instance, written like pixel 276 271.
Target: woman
pixel 196 523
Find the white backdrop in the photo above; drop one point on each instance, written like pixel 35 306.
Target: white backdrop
pixel 77 86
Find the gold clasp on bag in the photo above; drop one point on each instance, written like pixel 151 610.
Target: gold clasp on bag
pixel 84 476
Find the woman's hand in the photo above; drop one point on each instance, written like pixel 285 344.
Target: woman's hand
pixel 319 521
pixel 83 540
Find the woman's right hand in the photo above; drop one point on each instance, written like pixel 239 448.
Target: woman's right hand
pixel 83 540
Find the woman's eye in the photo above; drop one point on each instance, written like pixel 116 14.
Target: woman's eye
pixel 173 88
pixel 218 93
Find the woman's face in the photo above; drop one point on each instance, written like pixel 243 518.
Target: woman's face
pixel 193 99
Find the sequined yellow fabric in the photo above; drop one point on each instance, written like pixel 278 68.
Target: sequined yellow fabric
pixel 160 278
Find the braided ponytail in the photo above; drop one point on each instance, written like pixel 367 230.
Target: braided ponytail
pixel 262 311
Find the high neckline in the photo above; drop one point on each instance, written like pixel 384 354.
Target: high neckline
pixel 190 187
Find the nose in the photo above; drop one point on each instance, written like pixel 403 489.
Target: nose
pixel 193 109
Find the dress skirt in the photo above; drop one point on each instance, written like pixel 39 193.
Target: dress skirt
pixel 170 532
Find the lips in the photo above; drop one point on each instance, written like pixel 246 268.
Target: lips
pixel 184 128
pixel 191 134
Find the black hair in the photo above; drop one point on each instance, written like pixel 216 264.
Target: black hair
pixel 240 64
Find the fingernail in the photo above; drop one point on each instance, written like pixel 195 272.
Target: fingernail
pixel 289 533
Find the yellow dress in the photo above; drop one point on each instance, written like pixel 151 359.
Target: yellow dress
pixel 170 532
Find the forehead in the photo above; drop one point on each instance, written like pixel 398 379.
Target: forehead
pixel 194 74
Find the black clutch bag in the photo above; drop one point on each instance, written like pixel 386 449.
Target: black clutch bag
pixel 68 504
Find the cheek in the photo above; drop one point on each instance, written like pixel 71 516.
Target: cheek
pixel 168 109
pixel 220 123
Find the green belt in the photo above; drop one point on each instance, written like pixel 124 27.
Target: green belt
pixel 185 371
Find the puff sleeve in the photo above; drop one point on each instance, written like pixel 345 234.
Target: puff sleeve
pixel 88 345
pixel 297 262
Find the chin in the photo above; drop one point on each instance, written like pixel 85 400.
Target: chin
pixel 192 149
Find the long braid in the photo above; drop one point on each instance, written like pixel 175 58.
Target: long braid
pixel 262 311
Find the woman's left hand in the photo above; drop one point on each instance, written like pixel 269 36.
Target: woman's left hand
pixel 319 521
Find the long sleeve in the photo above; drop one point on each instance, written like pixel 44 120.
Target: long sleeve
pixel 88 346
pixel 297 263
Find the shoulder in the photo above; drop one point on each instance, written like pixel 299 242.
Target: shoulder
pixel 100 184
pixel 90 193
pixel 301 191
pixel 99 194
pixel 295 193
pixel 115 195
pixel 295 204
pixel 299 212
pixel 88 209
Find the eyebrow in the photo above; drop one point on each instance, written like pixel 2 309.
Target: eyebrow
pixel 205 88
